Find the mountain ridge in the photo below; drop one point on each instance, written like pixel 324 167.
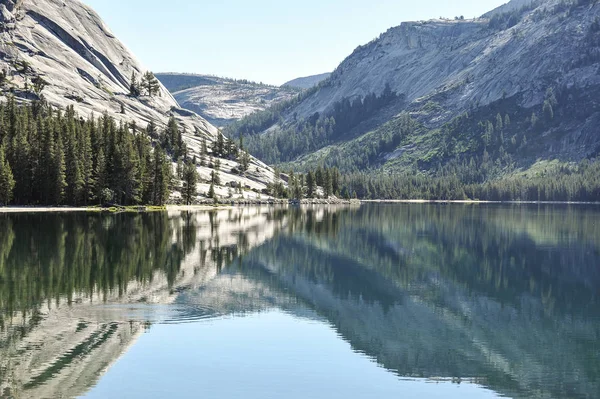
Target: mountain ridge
pixel 306 82
pixel 63 53
pixel 220 100
pixel 520 60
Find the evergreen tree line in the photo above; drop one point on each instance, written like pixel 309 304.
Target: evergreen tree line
pixel 50 157
pixel 493 134
pixel 561 183
pixel 305 135
pixel 318 183
pixel 148 85
pixel 455 181
pixel 471 157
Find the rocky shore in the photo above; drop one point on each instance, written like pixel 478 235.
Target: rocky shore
pixel 271 201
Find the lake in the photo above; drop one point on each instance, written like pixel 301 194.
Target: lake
pixel 377 301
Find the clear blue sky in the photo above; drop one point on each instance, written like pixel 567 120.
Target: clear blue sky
pixel 272 41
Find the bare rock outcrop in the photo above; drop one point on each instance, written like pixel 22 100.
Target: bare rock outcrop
pixel 460 66
pixel 222 101
pixel 84 65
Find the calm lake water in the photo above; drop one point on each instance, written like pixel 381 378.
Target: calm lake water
pixel 378 301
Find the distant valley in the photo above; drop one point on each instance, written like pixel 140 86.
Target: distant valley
pixel 222 101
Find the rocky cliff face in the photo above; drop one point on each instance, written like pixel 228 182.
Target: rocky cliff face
pixel 85 66
pixel 469 61
pixel 222 101
pixel 446 68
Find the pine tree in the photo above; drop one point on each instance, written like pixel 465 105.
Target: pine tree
pixel 232 150
pixel 151 130
pixel 86 162
pixel 499 123
pixel 179 168
pixel 21 165
pixel 131 176
pixel 488 135
pixel 134 87
pixel 327 184
pixel 211 191
pixel 161 177
pixel 36 140
pixel 276 187
pixel 335 181
pixel 292 183
pixel 190 180
pixel 296 191
pixel 45 173
pixel 59 179
pixel 218 146
pixel 74 179
pixel 320 176
pixel 143 147
pixel 150 84
pixel 215 178
pixel 99 177
pixel 7 182
pixel 311 187
pixel 204 148
pixel 244 161
pixel 173 140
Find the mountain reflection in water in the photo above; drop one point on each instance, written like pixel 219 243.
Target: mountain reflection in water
pixel 503 296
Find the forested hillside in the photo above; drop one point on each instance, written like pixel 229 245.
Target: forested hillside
pixel 508 97
pixel 61 54
pixel 49 157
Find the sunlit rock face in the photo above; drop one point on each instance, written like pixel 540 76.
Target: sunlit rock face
pixel 442 69
pixel 222 101
pixel 86 66
pixel 463 58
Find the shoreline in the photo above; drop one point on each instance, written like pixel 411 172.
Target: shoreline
pixel 209 207
pixel 421 201
pixel 43 209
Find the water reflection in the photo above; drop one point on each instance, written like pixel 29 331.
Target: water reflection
pixel 76 290
pixel 505 296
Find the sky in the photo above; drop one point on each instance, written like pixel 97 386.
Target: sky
pixel 270 41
